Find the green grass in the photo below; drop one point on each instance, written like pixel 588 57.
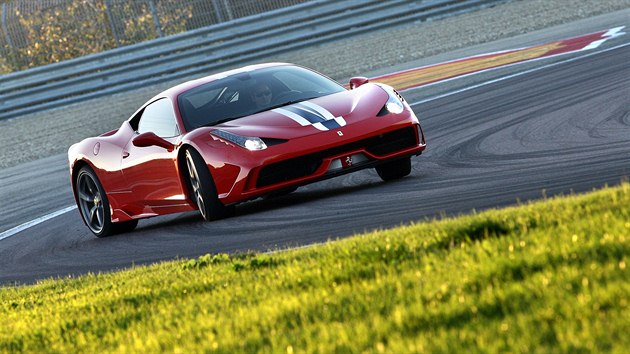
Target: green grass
pixel 550 276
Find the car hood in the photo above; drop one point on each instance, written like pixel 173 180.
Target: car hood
pixel 300 119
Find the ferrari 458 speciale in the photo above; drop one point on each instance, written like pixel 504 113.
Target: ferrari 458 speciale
pixel 261 130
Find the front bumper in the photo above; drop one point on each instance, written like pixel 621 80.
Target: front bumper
pixel 317 157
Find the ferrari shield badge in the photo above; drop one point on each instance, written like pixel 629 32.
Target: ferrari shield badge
pixel 346 161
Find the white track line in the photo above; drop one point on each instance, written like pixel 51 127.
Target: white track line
pixel 612 33
pixel 39 220
pixel 503 78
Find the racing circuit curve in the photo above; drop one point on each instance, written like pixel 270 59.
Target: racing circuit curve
pixel 438 73
pixel 557 127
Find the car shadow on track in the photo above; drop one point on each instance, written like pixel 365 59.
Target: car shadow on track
pixel 260 205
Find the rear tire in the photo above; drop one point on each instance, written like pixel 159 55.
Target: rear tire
pixel 94 206
pixel 92 202
pixel 202 190
pixel 394 169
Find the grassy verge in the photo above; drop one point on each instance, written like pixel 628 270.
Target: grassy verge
pixel 550 276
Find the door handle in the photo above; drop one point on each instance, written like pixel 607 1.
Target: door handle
pixel 125 154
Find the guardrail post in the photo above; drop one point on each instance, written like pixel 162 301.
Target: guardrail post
pixel 217 11
pixel 5 29
pixel 108 9
pixel 156 19
pixel 228 10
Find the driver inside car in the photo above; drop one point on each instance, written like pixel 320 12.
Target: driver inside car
pixel 261 96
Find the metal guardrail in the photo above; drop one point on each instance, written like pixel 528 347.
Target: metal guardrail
pixel 209 49
pixel 32 29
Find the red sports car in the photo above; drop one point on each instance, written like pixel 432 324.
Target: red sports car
pixel 261 130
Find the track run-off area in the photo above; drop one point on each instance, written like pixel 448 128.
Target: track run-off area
pixel 503 127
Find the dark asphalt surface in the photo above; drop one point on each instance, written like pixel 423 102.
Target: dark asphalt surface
pixel 556 130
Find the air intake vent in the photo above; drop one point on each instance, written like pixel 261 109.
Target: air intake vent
pixel 303 166
pixel 288 170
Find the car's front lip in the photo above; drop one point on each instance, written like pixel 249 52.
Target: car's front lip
pixel 245 186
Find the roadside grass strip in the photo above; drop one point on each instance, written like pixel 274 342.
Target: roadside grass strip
pixel 548 276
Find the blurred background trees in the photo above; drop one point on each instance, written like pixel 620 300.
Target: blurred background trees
pixel 34 33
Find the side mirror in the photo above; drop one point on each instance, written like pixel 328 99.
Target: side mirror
pixel 358 81
pixel 150 139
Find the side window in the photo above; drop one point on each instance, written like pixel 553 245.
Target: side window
pixel 159 118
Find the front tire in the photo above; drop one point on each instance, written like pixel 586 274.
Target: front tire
pixel 202 189
pixel 394 169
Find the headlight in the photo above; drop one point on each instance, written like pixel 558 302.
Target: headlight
pixel 394 102
pixel 393 106
pixel 248 142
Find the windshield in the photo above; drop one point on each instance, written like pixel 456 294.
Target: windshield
pixel 251 92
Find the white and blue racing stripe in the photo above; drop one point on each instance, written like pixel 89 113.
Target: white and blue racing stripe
pixel 308 113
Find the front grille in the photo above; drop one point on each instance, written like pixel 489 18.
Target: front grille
pixel 288 170
pixel 391 142
pixel 303 166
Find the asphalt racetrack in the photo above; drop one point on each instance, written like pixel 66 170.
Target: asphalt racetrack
pixel 550 127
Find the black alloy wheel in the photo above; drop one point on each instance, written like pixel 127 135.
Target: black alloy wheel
pixel 94 206
pixel 93 202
